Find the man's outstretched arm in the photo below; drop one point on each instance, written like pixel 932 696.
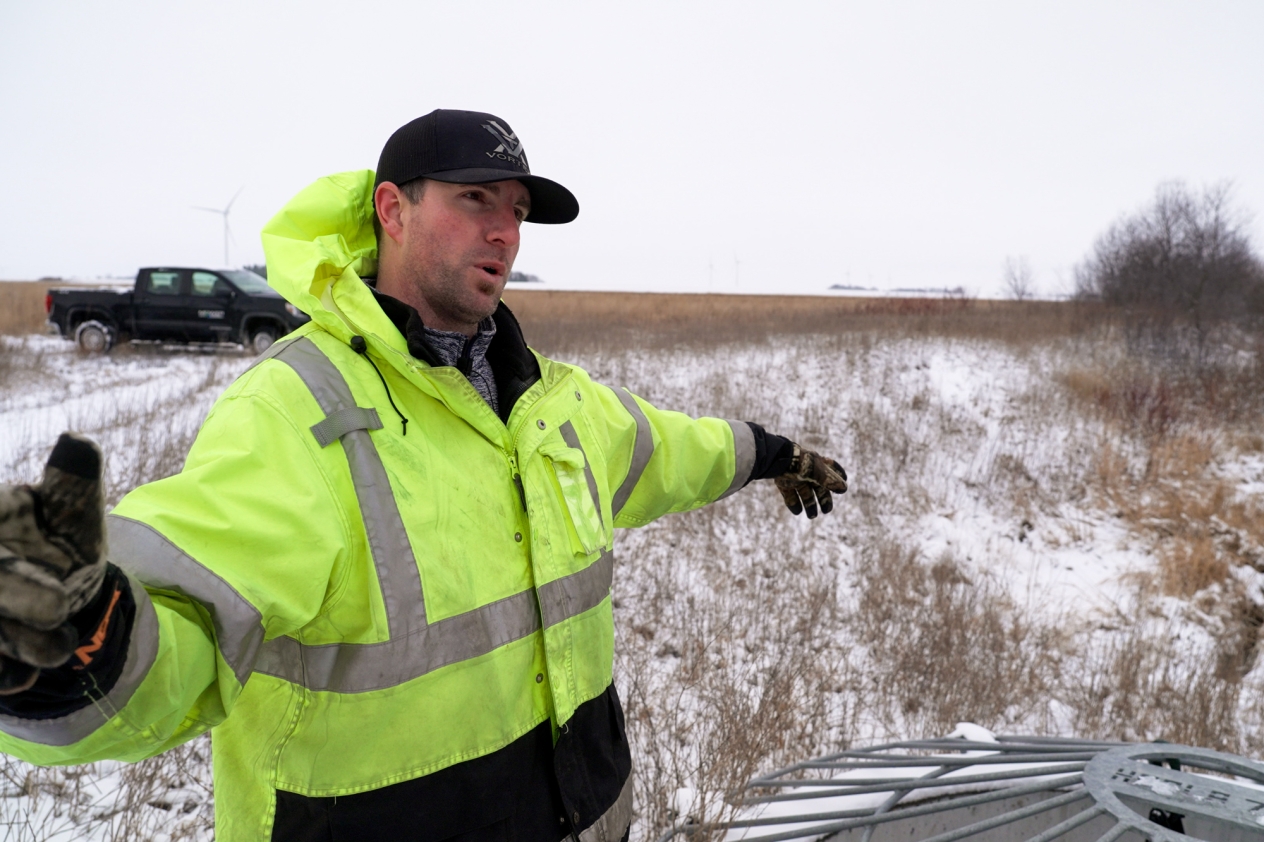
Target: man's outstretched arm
pixel 663 462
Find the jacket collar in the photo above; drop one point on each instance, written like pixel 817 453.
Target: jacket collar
pixel 513 365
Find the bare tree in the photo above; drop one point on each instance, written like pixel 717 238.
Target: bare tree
pixel 1185 256
pixel 1020 280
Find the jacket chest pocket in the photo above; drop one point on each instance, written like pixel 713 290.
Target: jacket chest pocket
pixel 574 485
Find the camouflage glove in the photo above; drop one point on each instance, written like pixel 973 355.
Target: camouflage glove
pixel 810 478
pixel 52 561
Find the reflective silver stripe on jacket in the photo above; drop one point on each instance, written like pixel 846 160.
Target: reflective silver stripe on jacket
pixel 362 667
pixel 743 456
pixel 142 649
pixel 157 563
pixel 397 573
pixel 572 595
pixel 642 450
pixel 612 823
pixel 416 646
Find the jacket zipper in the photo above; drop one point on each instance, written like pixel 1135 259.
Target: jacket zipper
pixel 522 492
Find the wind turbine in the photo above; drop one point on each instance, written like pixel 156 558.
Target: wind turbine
pixel 224 213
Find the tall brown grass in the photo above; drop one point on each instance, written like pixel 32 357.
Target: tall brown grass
pixel 1169 416
pixel 948 646
pixel 22 306
pixel 556 321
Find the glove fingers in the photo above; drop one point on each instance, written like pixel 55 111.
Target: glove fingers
pixel 19 529
pixel 72 502
pixel 790 494
pixel 839 482
pixel 31 593
pixel 832 476
pixel 16 676
pixel 809 501
pixel 822 471
pixel 826 501
pixel 37 648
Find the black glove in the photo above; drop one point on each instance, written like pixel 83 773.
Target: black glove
pixel 809 479
pixel 52 561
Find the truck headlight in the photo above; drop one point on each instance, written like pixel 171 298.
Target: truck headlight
pixel 292 310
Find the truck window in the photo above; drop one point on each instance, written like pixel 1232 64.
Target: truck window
pixel 163 283
pixel 204 283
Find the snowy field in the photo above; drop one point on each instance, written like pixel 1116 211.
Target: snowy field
pixel 1050 537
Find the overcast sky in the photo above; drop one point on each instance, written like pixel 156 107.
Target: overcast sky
pixel 728 145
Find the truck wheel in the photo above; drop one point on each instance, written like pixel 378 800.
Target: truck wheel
pixel 262 339
pixel 94 337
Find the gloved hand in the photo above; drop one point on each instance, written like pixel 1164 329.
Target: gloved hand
pixel 52 560
pixel 810 478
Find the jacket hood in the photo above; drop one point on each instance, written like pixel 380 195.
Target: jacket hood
pixel 319 246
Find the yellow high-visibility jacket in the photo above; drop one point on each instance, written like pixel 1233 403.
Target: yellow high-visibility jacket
pixel 349 606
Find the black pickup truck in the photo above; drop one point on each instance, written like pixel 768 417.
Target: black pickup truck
pixel 171 304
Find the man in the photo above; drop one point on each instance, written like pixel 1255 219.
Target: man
pixel 383 576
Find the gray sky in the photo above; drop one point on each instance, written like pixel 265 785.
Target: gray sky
pixel 722 145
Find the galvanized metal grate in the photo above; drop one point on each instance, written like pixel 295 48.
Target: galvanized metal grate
pixel 1003 789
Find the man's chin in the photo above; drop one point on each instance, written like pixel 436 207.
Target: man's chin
pixel 489 295
pixel 482 306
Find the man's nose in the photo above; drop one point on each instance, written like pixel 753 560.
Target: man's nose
pixel 504 227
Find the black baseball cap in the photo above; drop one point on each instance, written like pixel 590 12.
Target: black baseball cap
pixel 470 147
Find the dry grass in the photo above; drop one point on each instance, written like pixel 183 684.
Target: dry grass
pixel 146 433
pixel 22 306
pixel 1156 466
pixel 921 643
pixel 20 368
pixel 558 322
pixel 1171 413
pixel 727 664
pixel 1150 679
pixel 945 649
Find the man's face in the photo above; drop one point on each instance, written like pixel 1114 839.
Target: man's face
pixel 459 243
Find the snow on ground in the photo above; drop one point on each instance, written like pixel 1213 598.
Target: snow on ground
pixel 143 404
pixel 959 415
pixel 747 637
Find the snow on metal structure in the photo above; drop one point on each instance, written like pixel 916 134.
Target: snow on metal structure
pixel 977 787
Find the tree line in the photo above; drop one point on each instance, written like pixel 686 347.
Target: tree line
pixel 1185 256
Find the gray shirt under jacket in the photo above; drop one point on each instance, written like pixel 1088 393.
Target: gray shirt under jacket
pixel 451 347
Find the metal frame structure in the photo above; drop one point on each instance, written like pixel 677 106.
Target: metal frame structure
pixel 1033 789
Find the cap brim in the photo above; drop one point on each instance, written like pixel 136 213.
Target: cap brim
pixel 551 203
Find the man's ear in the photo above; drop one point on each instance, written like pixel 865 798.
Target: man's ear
pixel 390 207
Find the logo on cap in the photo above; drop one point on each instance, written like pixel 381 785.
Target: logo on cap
pixel 509 148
